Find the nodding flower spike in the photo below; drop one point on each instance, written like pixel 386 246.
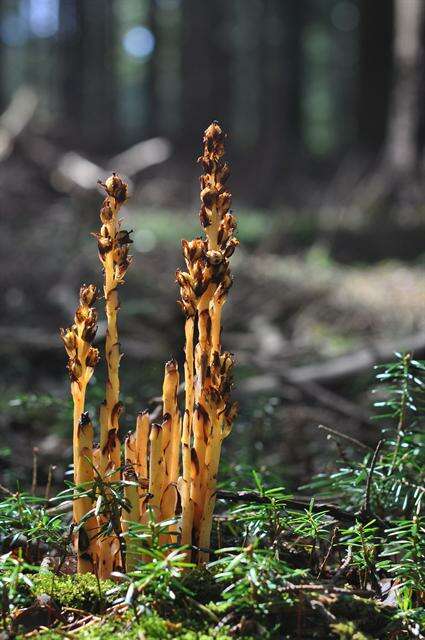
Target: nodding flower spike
pixel 116 188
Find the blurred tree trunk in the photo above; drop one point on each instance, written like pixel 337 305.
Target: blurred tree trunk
pixel 88 83
pixel 206 63
pixel 100 95
pixel 421 96
pixel 280 95
pixel 71 66
pixel 2 73
pixel 375 72
pixel 152 75
pixel 401 148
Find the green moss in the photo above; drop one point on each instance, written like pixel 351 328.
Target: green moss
pixel 348 631
pixel 79 591
pixel 150 626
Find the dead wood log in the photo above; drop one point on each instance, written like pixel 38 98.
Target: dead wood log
pixel 352 363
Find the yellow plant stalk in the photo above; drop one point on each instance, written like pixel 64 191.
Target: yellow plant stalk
pixel 96 458
pixel 156 463
pixel 224 415
pixel 220 225
pixel 191 285
pixel 172 428
pixel 130 452
pixel 142 444
pixel 185 480
pixel 82 358
pixel 205 287
pixel 200 428
pixel 142 441
pixel 131 514
pixel 152 464
pixel 113 245
pixel 87 551
pixel 168 511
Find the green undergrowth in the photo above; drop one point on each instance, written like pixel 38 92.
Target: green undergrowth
pixel 346 562
pixel 318 615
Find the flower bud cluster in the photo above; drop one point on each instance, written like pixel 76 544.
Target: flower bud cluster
pixel 207 260
pixel 208 275
pixel 225 366
pixel 111 240
pixel 78 338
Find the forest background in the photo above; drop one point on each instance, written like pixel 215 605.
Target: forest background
pixel 323 102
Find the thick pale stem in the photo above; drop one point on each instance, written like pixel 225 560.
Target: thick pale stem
pixel 83 473
pixel 187 504
pixel 215 436
pixel 200 429
pixel 168 496
pixel 78 393
pixel 212 460
pixel 96 459
pixel 170 407
pixel 155 470
pixel 168 511
pixel 171 432
pixel 113 255
pixel 112 352
pixel 201 417
pixel 130 452
pixel 142 440
pixel 130 515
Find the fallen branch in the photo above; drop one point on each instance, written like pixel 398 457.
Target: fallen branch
pixel 352 363
pixel 141 156
pixel 16 118
pixel 75 171
pixel 71 171
pixel 346 437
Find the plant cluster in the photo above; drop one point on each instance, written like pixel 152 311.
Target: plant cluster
pixel 153 481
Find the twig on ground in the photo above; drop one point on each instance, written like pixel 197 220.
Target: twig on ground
pixel 291 503
pixel 329 551
pixel 346 437
pixel 366 504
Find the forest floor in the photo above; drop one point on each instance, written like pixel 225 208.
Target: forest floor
pixel 313 308
pixel 306 331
